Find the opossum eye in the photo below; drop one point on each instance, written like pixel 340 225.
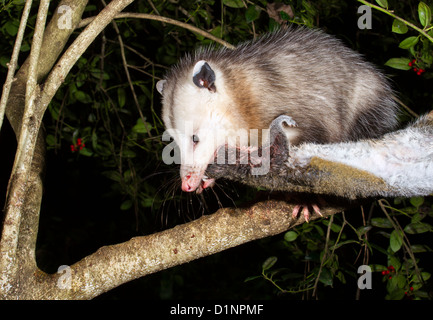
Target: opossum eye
pixel 195 139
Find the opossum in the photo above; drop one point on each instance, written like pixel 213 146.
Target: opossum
pixel 331 93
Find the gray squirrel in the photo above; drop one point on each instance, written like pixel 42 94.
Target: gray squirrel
pixel 399 163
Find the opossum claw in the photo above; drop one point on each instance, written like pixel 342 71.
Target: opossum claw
pixel 305 211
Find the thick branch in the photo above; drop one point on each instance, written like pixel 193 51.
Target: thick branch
pixel 398 164
pixel 114 265
pixel 20 225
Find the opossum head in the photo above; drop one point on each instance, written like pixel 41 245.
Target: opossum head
pixel 195 111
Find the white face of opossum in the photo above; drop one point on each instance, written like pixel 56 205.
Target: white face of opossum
pixel 198 123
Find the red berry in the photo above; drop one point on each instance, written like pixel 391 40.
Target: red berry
pixel 410 64
pixel 411 288
pixel 415 69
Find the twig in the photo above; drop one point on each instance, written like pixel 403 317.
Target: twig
pixel 325 250
pixel 201 32
pixel 388 12
pixel 12 65
pixel 405 242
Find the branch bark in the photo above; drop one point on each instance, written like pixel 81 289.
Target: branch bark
pixel 114 265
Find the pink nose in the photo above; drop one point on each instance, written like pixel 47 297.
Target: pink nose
pixel 186 187
pixel 186 184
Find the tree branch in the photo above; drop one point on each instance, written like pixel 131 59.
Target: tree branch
pixel 12 65
pixel 23 159
pixel 21 221
pixel 184 25
pixel 398 164
pixel 114 265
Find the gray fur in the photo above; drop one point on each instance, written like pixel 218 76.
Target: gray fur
pixel 398 164
pixel 330 91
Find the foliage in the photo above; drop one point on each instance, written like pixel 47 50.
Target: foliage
pixel 325 254
pixel 105 124
pixel 419 46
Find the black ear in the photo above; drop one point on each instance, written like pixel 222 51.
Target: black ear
pixel 203 76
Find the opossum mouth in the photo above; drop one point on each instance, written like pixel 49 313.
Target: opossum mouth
pixel 193 182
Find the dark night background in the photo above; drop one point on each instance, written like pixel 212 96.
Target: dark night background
pixel 84 208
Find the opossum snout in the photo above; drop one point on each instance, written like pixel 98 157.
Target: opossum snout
pixel 196 182
pixel 190 182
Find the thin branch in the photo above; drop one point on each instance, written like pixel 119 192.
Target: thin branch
pixel 78 47
pixel 189 27
pixel 12 65
pixel 128 76
pixel 325 255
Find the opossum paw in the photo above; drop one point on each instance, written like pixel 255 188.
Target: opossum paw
pixel 305 211
pixel 205 183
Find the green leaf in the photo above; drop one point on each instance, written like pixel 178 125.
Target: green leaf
pixel 363 230
pixel 126 205
pixel 127 153
pixel 424 14
pixel 147 203
pixel 51 140
pixel 417 201
pixel 342 243
pixel 394 261
pixel 11 27
pixel 121 97
pixel 377 267
pixel 285 16
pixel 82 97
pixel 326 277
pixel 4 60
pixel 269 262
pixel 381 223
pixel 401 281
pixel 399 63
pixel 424 275
pixel 334 227
pixel 252 278
pixel 395 241
pixel 252 14
pixel 399 27
pixel 417 227
pixel 417 248
pixel 290 236
pixel 86 152
pixel 408 42
pixel 112 175
pixel 382 3
pixel 233 3
pixel 141 127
